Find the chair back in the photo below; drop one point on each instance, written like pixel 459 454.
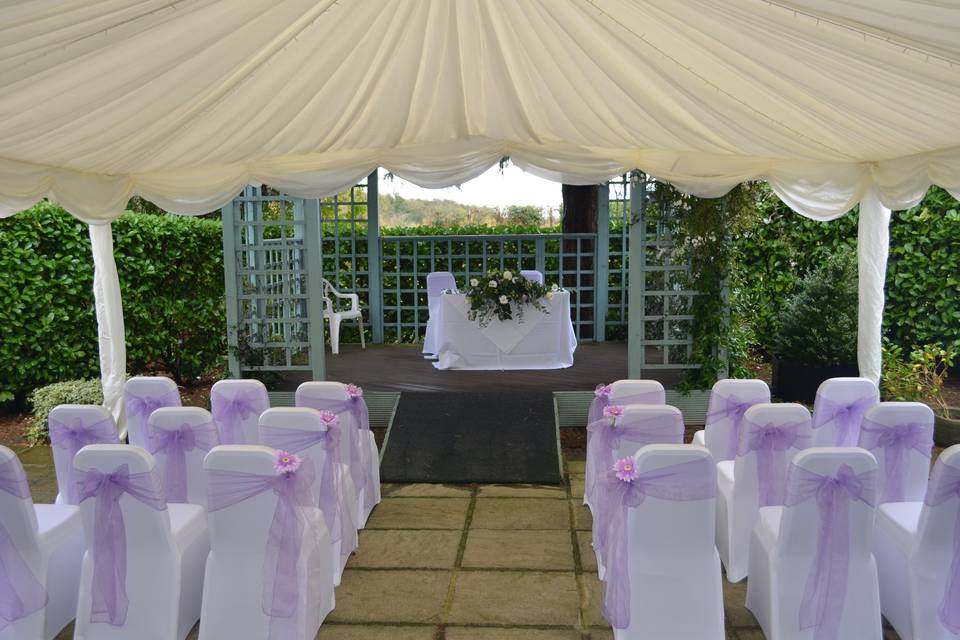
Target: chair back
pixel 179 439
pixel 236 406
pixel 437 282
pixel 647 424
pixel 17 515
pixel 729 401
pixel 315 395
pixel 627 392
pixel 278 430
pixel 72 427
pixel 771 434
pixel 937 528
pixel 532 276
pixel 900 437
pixel 142 395
pixel 839 409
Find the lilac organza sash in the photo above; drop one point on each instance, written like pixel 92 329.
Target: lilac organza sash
pixel 75 436
pixel 298 440
pixel 139 408
pixel 360 449
pixel 601 400
pixel 281 588
pixel 174 444
pixel 731 406
pixel 230 412
pixel 848 416
pixel 896 441
pixel 685 481
pixel 21 594
pixel 947 486
pixel 825 590
pixel 771 441
pixel 109 548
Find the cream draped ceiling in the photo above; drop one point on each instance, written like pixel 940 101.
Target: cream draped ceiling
pixel 833 103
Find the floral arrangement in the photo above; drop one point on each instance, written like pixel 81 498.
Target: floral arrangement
pixel 502 294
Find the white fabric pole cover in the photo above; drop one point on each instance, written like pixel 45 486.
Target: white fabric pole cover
pixel 111 335
pixel 873 246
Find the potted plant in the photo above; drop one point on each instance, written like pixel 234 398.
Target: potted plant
pixel 818 331
pixel 920 377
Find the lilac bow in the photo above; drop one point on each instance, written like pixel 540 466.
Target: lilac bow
pixel 281 589
pixel 825 590
pixel 298 440
pixel 944 486
pixel 75 436
pixel 732 407
pixel 140 408
pixel 109 588
pixel 848 416
pixel 602 400
pixel 174 445
pixel 771 441
pixel 896 441
pixel 684 481
pixel 21 594
pixel 230 412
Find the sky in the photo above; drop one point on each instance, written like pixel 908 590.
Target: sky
pixel 493 189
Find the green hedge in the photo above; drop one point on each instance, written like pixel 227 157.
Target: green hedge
pixel 171 278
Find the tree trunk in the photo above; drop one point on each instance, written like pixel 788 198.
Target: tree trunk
pixel 580 208
pixel 580 216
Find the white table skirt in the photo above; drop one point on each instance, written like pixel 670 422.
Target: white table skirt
pixel 540 341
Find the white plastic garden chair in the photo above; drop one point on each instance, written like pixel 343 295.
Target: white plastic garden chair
pixel 335 317
pixel 236 406
pixel 48 544
pixel 729 400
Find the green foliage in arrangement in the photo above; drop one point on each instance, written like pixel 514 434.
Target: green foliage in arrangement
pixel 44 399
pixel 503 294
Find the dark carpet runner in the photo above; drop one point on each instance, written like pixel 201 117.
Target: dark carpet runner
pixel 491 437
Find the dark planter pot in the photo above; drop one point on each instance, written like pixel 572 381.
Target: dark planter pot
pixel 946 431
pixel 796 382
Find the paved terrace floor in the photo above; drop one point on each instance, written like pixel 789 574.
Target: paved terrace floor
pixel 487 562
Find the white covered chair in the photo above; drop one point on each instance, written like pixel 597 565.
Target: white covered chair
pixel 900 437
pixel 663 579
pixel 620 393
pixel 917 546
pixel 437 283
pixel 41 546
pixel 809 581
pixel 334 316
pixel 729 400
pixel 839 408
pixel 71 428
pixel 270 572
pixel 236 406
pixel 142 395
pixel 358 451
pixel 179 438
pixel 316 438
pixel 127 524
pixel 532 276
pixel 770 436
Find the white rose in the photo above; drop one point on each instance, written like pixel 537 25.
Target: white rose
pixel 474 282
pixel 503 299
pixel 554 287
pixel 549 295
pixel 507 275
pixel 492 284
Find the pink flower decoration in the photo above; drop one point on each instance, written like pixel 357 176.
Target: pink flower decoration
pixel 603 390
pixel 354 392
pixel 613 411
pixel 328 417
pixel 287 462
pixel 626 469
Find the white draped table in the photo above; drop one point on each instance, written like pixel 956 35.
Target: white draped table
pixel 540 341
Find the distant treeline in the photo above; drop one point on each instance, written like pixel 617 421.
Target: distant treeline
pixel 396 211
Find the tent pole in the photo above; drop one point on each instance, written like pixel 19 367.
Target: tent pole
pixel 873 244
pixel 112 339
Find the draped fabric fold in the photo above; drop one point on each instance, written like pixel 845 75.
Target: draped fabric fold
pixel 896 441
pixel 75 436
pixel 848 415
pixel 174 444
pixel 229 412
pixel 771 441
pixel 732 406
pixel 21 594
pixel 946 486
pixel 825 589
pixel 140 407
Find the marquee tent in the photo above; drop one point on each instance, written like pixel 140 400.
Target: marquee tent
pixel 834 103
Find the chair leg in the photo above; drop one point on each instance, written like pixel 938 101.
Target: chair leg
pixel 363 344
pixel 335 334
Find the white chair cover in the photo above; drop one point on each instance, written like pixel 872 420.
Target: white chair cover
pixel 45 546
pixel 620 393
pixel 839 409
pixel 532 276
pixel 437 282
pixel 301 430
pixel 72 427
pixel 179 438
pixel 740 491
pixel 142 395
pixel 900 437
pixel 318 395
pixel 235 594
pixel 236 406
pixel 673 566
pixel 812 575
pixel 729 400
pixel 915 545
pixel 164 551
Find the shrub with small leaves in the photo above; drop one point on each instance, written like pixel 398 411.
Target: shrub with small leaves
pixel 44 399
pixel 918 376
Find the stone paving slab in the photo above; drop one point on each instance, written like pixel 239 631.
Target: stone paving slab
pixel 375 632
pixel 588 558
pixel 582 520
pixel 491 549
pixel 401 548
pixel 521 491
pixel 499 633
pixel 515 597
pixel 520 513
pixel 592 601
pixel 419 513
pixel 366 595
pixel 423 490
